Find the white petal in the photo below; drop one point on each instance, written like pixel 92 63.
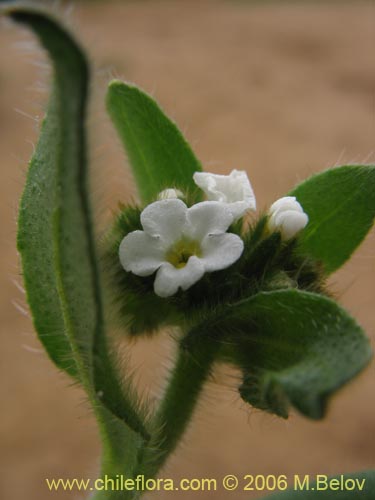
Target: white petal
pixel 169 194
pixel 141 253
pixel 289 222
pixel 242 188
pixel 208 183
pixel 169 279
pixel 164 218
pixel 239 208
pixel 285 203
pixel 207 217
pixel 234 189
pixel 219 251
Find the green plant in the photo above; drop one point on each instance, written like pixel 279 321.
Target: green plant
pixel 252 295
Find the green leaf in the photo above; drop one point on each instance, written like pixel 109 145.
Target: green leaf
pixel 340 204
pixel 364 488
pixel 57 246
pixel 43 205
pixel 295 348
pixel 159 155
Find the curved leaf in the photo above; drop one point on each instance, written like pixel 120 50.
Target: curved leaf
pixel 159 155
pixel 57 247
pixel 340 204
pixel 296 348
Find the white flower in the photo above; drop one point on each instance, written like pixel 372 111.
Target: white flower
pixel 287 216
pixel 170 193
pixel 180 243
pixel 234 189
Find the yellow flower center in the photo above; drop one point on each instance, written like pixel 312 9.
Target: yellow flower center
pixel 179 254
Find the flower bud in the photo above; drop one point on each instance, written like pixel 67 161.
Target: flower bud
pixel 170 194
pixel 287 216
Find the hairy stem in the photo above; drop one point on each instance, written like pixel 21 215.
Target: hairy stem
pixel 196 355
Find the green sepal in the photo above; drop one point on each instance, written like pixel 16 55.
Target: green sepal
pixel 295 348
pixel 159 155
pixel 267 263
pixel 364 490
pixel 340 204
pixel 136 308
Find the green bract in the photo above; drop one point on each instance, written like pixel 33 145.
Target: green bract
pixel 295 348
pixel 340 204
pixel 269 313
pixel 160 156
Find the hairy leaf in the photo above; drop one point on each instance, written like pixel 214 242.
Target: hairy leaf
pixel 159 155
pixel 295 348
pixel 340 204
pixel 57 246
pixel 364 488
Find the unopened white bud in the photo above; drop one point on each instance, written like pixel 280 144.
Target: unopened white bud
pixel 170 194
pixel 287 216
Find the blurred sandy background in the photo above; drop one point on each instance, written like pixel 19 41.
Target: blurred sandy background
pixel 281 90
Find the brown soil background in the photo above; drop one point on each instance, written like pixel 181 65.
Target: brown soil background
pixel 281 90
